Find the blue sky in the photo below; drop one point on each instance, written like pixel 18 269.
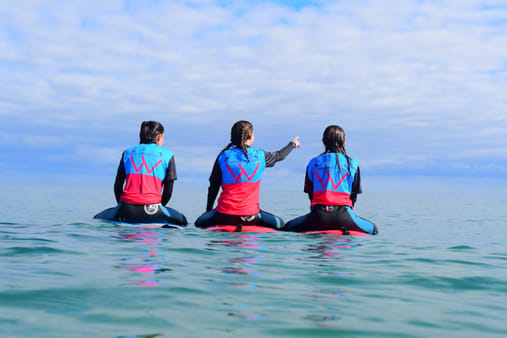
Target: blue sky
pixel 419 86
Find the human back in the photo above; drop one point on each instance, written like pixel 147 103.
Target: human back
pixel 241 180
pixel 145 170
pixel 238 171
pixel 144 181
pixel 145 167
pixel 332 182
pixel 332 175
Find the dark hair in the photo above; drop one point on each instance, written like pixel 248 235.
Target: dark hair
pixel 149 131
pixel 241 131
pixel 334 141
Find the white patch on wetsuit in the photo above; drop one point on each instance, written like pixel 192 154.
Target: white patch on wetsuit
pixel 151 209
pixel 247 218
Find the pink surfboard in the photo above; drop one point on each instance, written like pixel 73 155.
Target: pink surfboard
pixel 337 232
pixel 240 228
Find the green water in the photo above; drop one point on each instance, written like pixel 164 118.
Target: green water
pixel 437 268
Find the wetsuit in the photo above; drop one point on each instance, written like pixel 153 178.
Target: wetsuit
pixel 149 172
pixel 239 177
pixel 332 183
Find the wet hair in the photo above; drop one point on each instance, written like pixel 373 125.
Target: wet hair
pixel 334 142
pixel 241 132
pixel 149 131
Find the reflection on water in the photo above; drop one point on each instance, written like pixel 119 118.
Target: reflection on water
pixel 247 254
pixel 242 311
pixel 147 258
pixel 241 268
pixel 330 252
pixel 331 246
pixel 324 307
pixel 238 241
pixel 242 263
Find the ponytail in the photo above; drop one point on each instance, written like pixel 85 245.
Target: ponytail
pixel 241 132
pixel 334 142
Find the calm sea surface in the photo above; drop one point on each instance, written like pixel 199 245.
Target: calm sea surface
pixel 437 269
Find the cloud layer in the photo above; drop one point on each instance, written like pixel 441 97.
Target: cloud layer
pixel 419 86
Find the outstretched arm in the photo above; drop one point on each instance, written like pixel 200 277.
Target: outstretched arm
pixel 276 156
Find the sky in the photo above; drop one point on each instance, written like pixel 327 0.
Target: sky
pixel 420 86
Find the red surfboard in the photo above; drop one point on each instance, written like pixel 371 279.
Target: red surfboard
pixel 240 228
pixel 255 228
pixel 337 232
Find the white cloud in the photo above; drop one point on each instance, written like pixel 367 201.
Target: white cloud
pixel 404 76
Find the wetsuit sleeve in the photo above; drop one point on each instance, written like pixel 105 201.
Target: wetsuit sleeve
pixel 308 186
pixel 356 187
pixel 120 179
pixel 215 180
pixel 169 179
pixel 168 192
pixel 279 155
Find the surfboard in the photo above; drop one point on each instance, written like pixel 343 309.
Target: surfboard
pixel 255 228
pixel 337 232
pixel 108 215
pixel 148 225
pixel 240 228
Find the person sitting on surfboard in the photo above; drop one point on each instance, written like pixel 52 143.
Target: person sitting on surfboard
pixel 332 183
pixel 144 181
pixel 238 171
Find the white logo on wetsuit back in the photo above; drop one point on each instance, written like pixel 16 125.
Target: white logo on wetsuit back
pixel 151 209
pixel 247 218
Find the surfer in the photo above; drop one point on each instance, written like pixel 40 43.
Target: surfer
pixel 238 171
pixel 144 181
pixel 332 183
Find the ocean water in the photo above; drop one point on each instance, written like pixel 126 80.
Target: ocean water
pixel 438 268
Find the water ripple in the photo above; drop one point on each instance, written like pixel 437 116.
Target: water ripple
pixel 18 250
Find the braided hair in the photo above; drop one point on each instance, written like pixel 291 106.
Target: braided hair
pixel 149 131
pixel 241 132
pixel 334 142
